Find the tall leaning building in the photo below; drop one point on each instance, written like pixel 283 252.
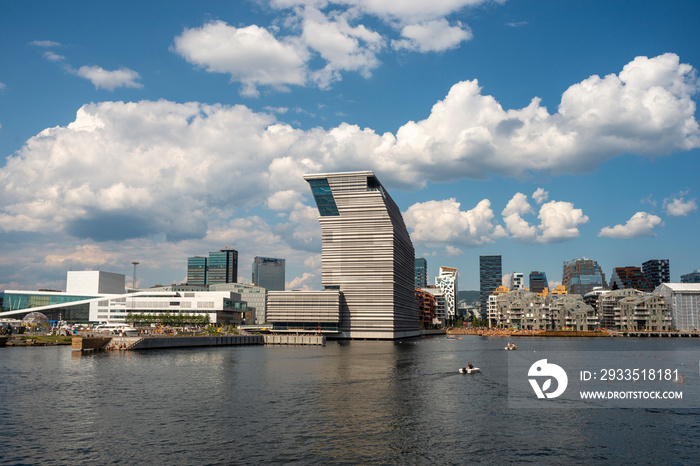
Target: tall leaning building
pixel 367 255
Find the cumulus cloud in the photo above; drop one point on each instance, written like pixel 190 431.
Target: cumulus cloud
pixel 108 79
pixel 540 195
pixel 432 36
pixel 641 224
pixel 96 174
pixel 251 55
pixel 442 221
pixel 679 207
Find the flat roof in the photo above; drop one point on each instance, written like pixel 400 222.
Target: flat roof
pixel 313 176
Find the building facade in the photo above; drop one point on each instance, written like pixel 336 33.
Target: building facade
pixel 269 273
pixel 421 272
pixel 220 267
pixel 629 277
pixel 447 282
pixel 538 281
pixel 657 271
pixel 516 281
pixel 367 254
pixel 197 271
pixel 692 277
pixel 255 298
pixel 490 278
pixel 581 275
pixel 306 311
pixel 684 301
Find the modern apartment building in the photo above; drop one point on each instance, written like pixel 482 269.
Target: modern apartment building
pixel 367 254
pixel 268 273
pixel 490 278
pixel 692 277
pixel 657 271
pixel 516 281
pixel 581 275
pixel 421 272
pixel 629 277
pixel 447 282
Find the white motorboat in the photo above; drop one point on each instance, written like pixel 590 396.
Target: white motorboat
pixel 466 370
pixel 511 348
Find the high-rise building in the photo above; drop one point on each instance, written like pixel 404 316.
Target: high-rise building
pixel 516 281
pixel 447 282
pixel 367 254
pixel 222 267
pixel 490 278
pixel 197 270
pixel 692 277
pixel 657 271
pixel 421 272
pixel 538 281
pixel 629 277
pixel 581 275
pixel 268 273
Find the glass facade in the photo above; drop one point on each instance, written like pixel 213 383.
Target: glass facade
pixel 538 281
pixel 490 278
pixel 197 271
pixel 324 198
pixel 268 273
pixel 421 272
pixel 223 267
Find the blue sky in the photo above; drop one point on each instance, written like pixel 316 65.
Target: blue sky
pixel 538 130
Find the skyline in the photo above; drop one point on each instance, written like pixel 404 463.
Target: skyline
pixel 538 131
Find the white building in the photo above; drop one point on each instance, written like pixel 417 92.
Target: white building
pixel 516 281
pixel 685 304
pixel 447 282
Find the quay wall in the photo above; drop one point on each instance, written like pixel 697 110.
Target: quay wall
pixel 318 340
pixel 188 342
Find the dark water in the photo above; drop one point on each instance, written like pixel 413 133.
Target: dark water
pixel 346 403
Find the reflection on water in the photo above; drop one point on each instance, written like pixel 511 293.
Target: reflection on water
pixel 348 402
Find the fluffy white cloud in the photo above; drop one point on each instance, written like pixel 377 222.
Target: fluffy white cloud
pixel 641 224
pixel 432 36
pixel 512 216
pixel 540 195
pixel 106 79
pixel 442 221
pixel 678 207
pixel 251 55
pixel 559 221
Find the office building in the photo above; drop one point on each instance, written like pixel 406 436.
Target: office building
pixel 421 272
pixel 538 281
pixel 367 254
pixel 581 275
pixel 692 277
pixel 255 298
pixel 268 273
pixel 629 277
pixel 447 282
pixel 657 271
pixel 197 271
pixel 220 267
pixel 490 278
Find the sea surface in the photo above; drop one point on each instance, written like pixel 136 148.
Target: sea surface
pixel 358 402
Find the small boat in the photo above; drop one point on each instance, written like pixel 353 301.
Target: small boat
pixel 510 347
pixel 466 370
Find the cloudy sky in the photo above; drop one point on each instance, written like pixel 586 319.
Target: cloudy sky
pixel 154 131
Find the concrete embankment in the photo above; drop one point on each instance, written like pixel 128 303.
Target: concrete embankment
pixel 190 342
pixel 318 340
pixel 89 343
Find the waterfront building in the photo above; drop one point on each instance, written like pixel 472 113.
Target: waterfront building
pixel 692 277
pixel 657 271
pixel 570 312
pixel 645 312
pixel 307 311
pixel 197 271
pixel 440 304
pixel 490 278
pixel 516 281
pixel 426 308
pixel 629 277
pixel 421 272
pixel 113 306
pixel 367 254
pixel 268 273
pixel 493 319
pixel 538 281
pixel 255 298
pixel 447 282
pixel 609 306
pixel 684 300
pixel 581 275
